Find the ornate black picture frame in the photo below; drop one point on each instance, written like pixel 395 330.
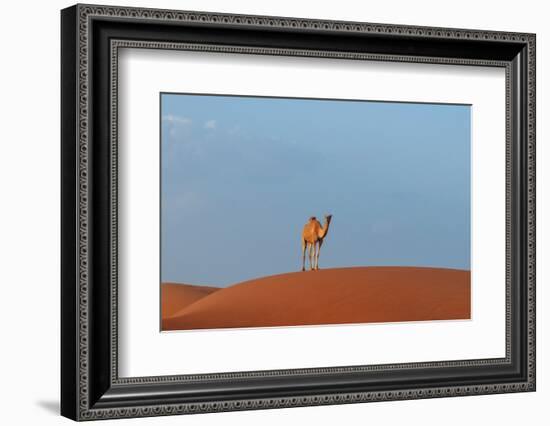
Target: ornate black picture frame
pixel 91 387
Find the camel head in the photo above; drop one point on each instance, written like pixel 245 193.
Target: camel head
pixel 328 217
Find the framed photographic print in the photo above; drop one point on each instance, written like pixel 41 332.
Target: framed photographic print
pixel 263 212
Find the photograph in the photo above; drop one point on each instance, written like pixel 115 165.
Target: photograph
pixel 279 211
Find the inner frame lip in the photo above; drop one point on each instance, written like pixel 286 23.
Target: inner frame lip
pixel 116 44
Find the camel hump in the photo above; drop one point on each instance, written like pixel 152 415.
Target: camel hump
pixel 312 218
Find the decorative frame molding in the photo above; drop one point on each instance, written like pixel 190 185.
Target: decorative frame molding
pixel 91 388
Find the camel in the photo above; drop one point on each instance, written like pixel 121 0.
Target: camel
pixel 314 235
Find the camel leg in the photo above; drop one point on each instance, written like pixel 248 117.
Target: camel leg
pixel 318 253
pixel 315 251
pixel 304 245
pixel 311 254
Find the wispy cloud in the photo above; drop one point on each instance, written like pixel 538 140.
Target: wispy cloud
pixel 175 119
pixel 210 124
pixel 234 130
pixel 177 128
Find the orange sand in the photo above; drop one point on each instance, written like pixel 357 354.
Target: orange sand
pixel 176 296
pixel 329 296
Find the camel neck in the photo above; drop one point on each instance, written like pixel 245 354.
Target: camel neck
pixel 324 229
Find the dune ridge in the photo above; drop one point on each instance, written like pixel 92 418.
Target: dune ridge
pixel 175 296
pixel 328 296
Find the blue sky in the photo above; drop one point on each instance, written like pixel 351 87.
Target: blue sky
pixel 240 176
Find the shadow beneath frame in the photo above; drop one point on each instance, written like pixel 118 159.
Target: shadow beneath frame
pixel 50 406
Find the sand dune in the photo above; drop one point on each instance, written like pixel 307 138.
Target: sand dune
pixel 176 296
pixel 330 296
